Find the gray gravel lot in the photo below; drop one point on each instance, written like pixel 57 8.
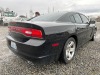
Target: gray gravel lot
pixel 86 61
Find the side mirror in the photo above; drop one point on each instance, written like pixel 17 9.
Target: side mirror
pixel 92 21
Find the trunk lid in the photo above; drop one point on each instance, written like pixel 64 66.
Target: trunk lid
pixel 23 31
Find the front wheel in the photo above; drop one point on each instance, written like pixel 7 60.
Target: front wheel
pixel 93 37
pixel 69 50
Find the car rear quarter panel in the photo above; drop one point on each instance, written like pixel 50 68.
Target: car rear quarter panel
pixel 59 33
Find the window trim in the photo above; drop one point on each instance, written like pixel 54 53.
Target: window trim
pixel 73 17
pixel 79 16
pixel 82 19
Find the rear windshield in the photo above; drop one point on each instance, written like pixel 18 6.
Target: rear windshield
pixel 48 17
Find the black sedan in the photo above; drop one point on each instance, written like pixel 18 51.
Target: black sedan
pixel 49 37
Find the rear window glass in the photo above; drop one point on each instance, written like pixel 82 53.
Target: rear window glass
pixel 48 17
pixel 64 18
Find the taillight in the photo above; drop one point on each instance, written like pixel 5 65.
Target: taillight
pixel 35 33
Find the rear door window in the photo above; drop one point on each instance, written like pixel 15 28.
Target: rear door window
pixel 78 18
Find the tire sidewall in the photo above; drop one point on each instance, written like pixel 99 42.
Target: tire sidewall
pixel 64 50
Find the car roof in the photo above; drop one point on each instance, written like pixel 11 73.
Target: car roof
pixel 59 14
pixel 68 12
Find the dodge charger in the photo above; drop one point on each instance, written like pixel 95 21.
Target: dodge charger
pixel 49 37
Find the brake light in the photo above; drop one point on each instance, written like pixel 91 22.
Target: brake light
pixel 35 33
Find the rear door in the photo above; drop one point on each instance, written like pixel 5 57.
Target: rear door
pixel 81 29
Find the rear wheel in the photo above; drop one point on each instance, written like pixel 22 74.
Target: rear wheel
pixel 69 50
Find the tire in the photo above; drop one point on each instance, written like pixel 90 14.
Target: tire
pixel 93 38
pixel 69 50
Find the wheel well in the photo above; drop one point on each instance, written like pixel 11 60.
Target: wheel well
pixel 75 37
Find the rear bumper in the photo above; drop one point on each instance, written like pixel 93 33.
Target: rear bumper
pixel 43 53
pixel 37 60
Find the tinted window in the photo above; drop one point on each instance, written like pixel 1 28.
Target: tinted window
pixel 84 18
pixel 72 19
pixel 77 18
pixel 9 14
pixel 64 18
pixel 48 17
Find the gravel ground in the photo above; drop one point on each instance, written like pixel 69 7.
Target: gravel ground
pixel 86 61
